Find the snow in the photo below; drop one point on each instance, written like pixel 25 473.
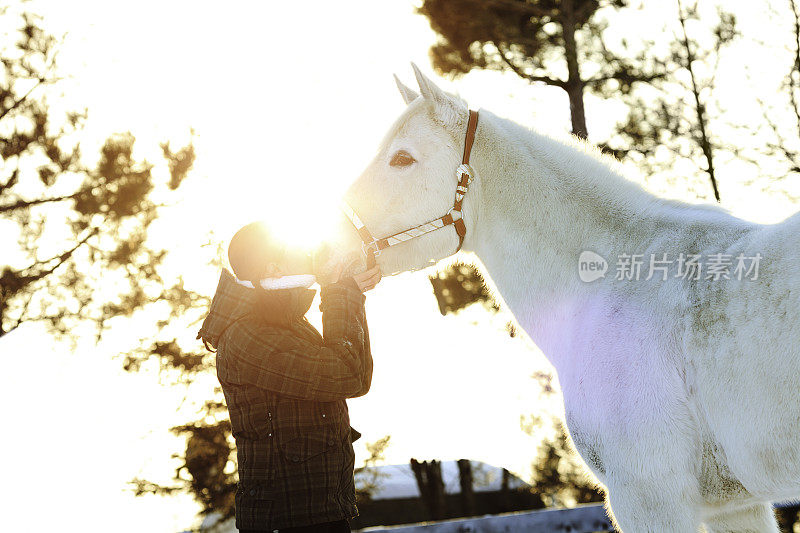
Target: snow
pixel 397 481
pixel 580 519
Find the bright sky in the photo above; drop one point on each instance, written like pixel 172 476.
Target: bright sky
pixel 288 101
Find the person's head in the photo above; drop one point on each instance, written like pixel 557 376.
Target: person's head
pixel 254 254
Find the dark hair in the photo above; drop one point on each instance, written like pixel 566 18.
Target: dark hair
pixel 251 249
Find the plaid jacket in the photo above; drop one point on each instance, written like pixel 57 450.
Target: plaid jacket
pixel 285 387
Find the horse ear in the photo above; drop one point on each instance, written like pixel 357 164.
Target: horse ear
pixel 429 89
pixel 448 109
pixel 408 94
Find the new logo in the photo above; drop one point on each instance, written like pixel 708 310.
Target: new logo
pixel 591 266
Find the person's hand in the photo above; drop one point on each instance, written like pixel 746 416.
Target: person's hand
pixel 330 267
pixel 368 279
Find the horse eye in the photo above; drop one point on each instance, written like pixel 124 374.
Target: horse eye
pixel 401 159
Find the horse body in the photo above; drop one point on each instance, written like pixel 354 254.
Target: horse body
pixel 669 382
pixel 680 394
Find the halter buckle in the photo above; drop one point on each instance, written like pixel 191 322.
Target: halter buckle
pixel 370 245
pixel 464 168
pixel 370 248
pixel 454 213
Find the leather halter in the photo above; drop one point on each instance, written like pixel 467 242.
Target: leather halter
pixel 372 247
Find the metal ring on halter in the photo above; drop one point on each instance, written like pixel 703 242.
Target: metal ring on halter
pixel 464 168
pixel 371 247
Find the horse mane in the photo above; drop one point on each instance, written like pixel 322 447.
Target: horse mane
pixel 596 175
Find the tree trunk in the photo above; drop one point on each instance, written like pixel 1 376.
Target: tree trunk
pixel 504 490
pixel 467 490
pixel 431 487
pixel 5 294
pixel 575 84
pixel 577 113
pixel 787 517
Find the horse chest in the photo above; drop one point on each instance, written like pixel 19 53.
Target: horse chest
pixel 588 443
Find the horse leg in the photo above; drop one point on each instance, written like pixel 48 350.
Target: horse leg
pixel 755 519
pixel 650 509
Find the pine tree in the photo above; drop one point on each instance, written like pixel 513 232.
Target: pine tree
pixel 75 235
pixel 74 224
pixel 565 43
pixel 680 115
pixel 560 43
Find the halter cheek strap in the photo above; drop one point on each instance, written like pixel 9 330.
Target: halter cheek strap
pixel 466 174
pixel 372 247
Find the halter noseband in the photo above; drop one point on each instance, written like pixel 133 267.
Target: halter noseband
pixel 372 247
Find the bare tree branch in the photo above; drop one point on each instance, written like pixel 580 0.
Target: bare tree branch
pixel 705 142
pixel 523 8
pixel 616 75
pixel 522 74
pixel 781 146
pixel 12 180
pixel 60 260
pixel 22 98
pixel 41 79
pixel 796 66
pixel 20 204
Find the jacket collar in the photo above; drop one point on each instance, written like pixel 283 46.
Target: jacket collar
pixel 233 301
pixel 282 307
pixel 286 282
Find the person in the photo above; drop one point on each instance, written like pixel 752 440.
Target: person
pixel 285 385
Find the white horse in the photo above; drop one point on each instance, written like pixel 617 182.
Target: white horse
pixel 681 394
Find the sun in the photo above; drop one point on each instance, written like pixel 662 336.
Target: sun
pixel 301 223
pixel 300 208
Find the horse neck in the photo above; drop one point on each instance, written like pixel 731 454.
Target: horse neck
pixel 541 203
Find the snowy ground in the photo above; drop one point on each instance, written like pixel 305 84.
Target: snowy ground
pixel 582 519
pixel 76 429
pixel 398 481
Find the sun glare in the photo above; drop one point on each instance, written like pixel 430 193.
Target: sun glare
pixel 303 228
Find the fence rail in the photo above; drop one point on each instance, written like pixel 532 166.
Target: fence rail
pixel 589 518
pixel 582 519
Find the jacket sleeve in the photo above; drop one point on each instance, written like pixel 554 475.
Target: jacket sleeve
pixel 339 368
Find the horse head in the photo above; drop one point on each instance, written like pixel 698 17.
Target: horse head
pixel 412 181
